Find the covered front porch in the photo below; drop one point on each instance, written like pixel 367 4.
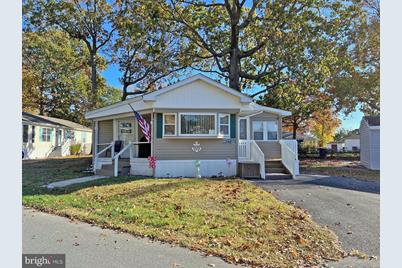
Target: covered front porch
pixel 120 146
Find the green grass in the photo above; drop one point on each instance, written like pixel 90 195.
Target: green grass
pixel 230 218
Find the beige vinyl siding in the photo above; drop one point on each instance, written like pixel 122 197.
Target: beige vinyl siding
pixel 271 149
pixel 105 131
pixel 180 149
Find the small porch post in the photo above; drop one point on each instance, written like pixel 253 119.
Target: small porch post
pixel 152 138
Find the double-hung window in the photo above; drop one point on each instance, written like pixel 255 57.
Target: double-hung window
pixel 197 124
pixel 169 124
pixel 24 133
pixel 46 134
pixel 224 124
pixel 265 130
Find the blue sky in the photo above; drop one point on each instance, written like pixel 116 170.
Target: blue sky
pixel 350 122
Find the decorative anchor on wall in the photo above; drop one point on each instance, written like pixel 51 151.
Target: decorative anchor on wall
pixel 196 147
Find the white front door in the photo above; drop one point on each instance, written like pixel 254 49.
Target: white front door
pixel 126 133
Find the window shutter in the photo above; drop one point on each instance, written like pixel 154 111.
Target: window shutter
pixel 40 133
pixel 233 126
pixel 159 125
pixel 53 135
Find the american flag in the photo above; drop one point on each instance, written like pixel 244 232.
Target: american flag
pixel 146 129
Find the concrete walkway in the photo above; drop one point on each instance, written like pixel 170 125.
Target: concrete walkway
pixel 59 184
pixel 89 246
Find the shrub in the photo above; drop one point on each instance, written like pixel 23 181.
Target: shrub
pixel 75 149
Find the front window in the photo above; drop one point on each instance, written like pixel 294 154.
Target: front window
pixel 265 130
pixel 46 134
pixel 224 124
pixel 25 133
pixel 169 124
pixel 198 124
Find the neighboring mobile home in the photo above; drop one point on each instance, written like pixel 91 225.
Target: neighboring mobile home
pixel 199 128
pixel 370 142
pixel 352 142
pixel 44 136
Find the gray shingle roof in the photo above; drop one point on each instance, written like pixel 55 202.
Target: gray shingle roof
pixel 372 120
pixel 41 119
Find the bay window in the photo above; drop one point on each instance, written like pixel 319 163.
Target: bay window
pixel 224 124
pixel 265 130
pixel 169 124
pixel 197 124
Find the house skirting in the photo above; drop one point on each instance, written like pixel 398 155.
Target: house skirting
pixel 184 168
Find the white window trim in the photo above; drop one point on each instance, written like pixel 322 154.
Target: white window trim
pixel 219 124
pixel 163 125
pixel 265 133
pixel 198 135
pixel 48 131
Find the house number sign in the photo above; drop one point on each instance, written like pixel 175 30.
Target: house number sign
pixel 196 147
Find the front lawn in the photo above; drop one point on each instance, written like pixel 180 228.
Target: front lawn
pixel 36 173
pixel 338 168
pixel 232 218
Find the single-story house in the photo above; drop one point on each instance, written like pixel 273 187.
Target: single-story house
pixel 336 146
pixel 370 142
pixel 44 136
pixel 352 142
pixel 199 128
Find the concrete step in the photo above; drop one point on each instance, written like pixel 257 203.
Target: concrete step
pixel 278 176
pixel 125 171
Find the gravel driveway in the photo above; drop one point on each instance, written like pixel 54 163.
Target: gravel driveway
pixel 349 207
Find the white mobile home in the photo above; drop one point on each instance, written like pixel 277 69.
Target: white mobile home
pixel 199 127
pixel 370 142
pixel 44 136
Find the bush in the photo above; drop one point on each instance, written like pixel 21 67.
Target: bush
pixel 75 149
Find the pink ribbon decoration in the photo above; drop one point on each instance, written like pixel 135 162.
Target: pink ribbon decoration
pixel 152 162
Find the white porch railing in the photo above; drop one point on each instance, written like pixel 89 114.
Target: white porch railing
pixel 117 156
pixel 250 152
pixel 289 156
pixel 97 156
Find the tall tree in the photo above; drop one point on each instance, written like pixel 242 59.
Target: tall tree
pixel 90 21
pixel 323 125
pixel 260 41
pixel 147 48
pixel 303 100
pixel 359 86
pixel 55 76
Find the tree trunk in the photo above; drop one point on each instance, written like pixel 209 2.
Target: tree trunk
pixel 234 69
pixel 294 130
pixel 124 97
pixel 94 83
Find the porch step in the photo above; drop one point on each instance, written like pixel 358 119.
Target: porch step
pixel 108 170
pixel 278 176
pixel 275 170
pixel 273 163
